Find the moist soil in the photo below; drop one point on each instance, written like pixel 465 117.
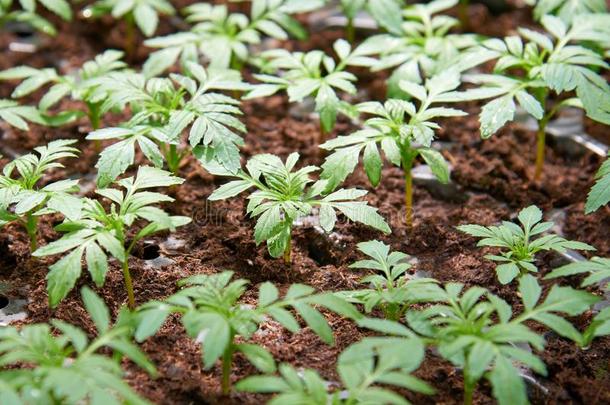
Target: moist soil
pixel 493 176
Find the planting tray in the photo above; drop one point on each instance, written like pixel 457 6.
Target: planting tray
pixel 490 183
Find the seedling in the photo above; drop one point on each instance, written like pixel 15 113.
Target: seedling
pixel 392 289
pixel 81 86
pixel 283 195
pixel 98 230
pixel 566 9
pixel 314 74
pixel 162 109
pixel 212 314
pixel 387 13
pixel 421 46
pixel 24 200
pixel 141 13
pixel 600 192
pixel 478 332
pixel 403 131
pixel 519 248
pixel 361 368
pixel 64 366
pixel 529 71
pixel 599 274
pixel 224 37
pixel 27 13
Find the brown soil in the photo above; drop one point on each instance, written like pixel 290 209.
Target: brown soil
pixel 493 174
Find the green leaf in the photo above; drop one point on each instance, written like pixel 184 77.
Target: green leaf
pixel 479 358
pixel 150 321
pixel 363 213
pixel 388 14
pixel 507 387
pixel 97 310
pixel 507 272
pixel 530 104
pixel 258 356
pixel 530 291
pixel 134 353
pixel 600 192
pixel 114 161
pixel 146 19
pixel 316 321
pixel 437 164
pixel 62 276
pixel 285 318
pixel 328 218
pixel 112 245
pixel 214 332
pixel 530 216
pixel 495 114
pixel 372 163
pixel 262 383
pixel 230 189
pixel 268 294
pixel 97 263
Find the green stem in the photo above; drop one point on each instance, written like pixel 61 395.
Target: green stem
pixel 94 119
pixel 350 31
pixel 31 226
pixel 407 165
pixel 94 115
pixel 541 96
pixel 288 251
pixel 392 312
pixel 128 283
pixel 323 134
pixel 130 37
pixel 468 390
pixel 540 146
pixel 226 371
pixel 173 159
pixel 236 63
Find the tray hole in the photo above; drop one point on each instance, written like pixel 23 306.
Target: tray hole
pixel 149 252
pixel 319 249
pixel 3 302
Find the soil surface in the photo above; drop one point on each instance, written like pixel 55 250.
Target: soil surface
pixel 493 177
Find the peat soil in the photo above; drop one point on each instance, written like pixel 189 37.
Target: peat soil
pixel 493 176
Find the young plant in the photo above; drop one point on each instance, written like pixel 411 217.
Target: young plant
pixel 600 192
pixel 162 109
pixel 403 131
pixel 314 74
pixel 141 13
pixel 24 200
pixel 566 9
pixel 283 195
pixel 27 13
pixel 212 314
pixel 98 230
pixel 81 86
pixel 421 46
pixel 64 366
pixel 224 37
pixel 528 71
pixel 361 367
pixel 393 290
pixel 599 274
pixel 478 332
pixel 519 248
